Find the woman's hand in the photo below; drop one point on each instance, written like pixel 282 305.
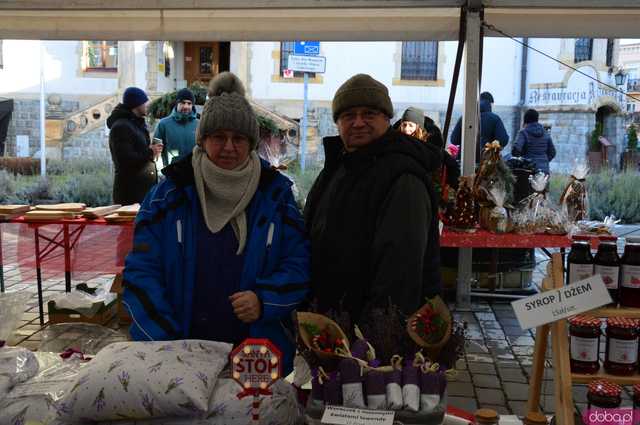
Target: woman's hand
pixel 246 306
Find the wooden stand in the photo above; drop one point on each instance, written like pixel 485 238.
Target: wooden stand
pixel 563 378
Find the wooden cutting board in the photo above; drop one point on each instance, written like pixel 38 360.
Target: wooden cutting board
pixel 48 215
pixel 128 210
pixel 14 209
pixel 68 207
pixel 98 212
pixel 117 218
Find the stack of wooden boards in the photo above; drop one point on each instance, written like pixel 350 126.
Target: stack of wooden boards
pixel 111 213
pixel 123 214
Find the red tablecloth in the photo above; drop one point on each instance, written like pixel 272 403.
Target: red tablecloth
pixel 484 239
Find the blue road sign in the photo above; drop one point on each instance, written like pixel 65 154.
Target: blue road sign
pixel 307 48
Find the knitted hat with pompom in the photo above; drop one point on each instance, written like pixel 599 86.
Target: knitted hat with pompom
pixel 228 109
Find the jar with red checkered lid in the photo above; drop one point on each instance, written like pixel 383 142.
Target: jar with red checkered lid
pixel 604 394
pixel 584 344
pixel 621 356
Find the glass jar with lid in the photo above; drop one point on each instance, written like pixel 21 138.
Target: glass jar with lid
pixel 630 274
pixel 580 259
pixel 621 357
pixel 602 395
pixel 584 346
pixel 607 265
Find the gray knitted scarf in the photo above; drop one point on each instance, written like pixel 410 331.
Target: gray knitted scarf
pixel 225 194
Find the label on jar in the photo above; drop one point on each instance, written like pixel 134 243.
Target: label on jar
pixel 584 349
pixel 631 276
pixel 580 272
pixel 609 275
pixel 623 351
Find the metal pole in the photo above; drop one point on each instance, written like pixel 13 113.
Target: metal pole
pixel 303 138
pixel 469 137
pixel 43 147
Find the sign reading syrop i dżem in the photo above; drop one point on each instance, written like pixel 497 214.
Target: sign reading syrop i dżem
pixel 561 303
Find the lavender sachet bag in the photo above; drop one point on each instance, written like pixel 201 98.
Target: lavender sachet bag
pixel 430 388
pixel 411 387
pixel 333 389
pixel 352 391
pixel 376 390
pixel 317 389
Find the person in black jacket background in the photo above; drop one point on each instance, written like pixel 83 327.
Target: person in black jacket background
pixel 132 154
pixel 372 211
pixel 534 143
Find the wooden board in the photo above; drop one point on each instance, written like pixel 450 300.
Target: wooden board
pixel 116 218
pixel 128 210
pixel 69 207
pixel 630 313
pixel 98 212
pixel 48 215
pixel 580 378
pixel 14 209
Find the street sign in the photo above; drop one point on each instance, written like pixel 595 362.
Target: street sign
pixel 315 64
pixel 307 48
pixel 256 365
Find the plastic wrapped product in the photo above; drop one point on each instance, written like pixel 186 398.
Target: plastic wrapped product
pixel 11 311
pixel 411 386
pixel 17 365
pixel 393 380
pixel 375 389
pixel 333 390
pixel 351 375
pixel 574 199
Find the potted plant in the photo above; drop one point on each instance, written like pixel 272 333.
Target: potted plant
pixel 595 148
pixel 631 157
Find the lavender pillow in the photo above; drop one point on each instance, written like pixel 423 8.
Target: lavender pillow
pixel 139 380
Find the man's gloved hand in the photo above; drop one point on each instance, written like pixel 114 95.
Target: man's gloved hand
pixel 246 306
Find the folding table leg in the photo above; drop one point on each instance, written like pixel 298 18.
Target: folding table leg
pixel 1 264
pixel 67 258
pixel 39 276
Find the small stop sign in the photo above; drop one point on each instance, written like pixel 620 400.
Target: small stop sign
pixel 256 364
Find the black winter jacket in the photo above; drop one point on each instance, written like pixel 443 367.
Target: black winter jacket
pixel 373 222
pixel 535 144
pixel 134 169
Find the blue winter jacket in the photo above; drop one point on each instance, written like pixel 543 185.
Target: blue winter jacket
pixel 159 274
pixel 535 144
pixel 178 134
pixel 491 128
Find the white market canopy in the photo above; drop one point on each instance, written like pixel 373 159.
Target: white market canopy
pixel 331 20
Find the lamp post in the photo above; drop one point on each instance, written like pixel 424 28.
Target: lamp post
pixel 621 77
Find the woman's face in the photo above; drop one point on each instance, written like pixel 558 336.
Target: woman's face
pixel 227 149
pixel 408 127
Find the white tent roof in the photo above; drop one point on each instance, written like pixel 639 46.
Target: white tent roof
pixel 308 19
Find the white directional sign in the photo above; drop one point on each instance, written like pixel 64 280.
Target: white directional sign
pixel 557 304
pixel 316 64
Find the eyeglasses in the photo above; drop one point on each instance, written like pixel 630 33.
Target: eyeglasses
pixel 368 115
pixel 222 139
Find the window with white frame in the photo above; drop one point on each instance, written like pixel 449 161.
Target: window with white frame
pixel 583 50
pixel 419 60
pixel 100 56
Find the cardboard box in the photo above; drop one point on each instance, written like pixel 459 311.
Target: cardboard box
pixel 117 288
pixel 105 314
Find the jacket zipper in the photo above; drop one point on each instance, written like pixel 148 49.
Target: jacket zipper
pixel 270 233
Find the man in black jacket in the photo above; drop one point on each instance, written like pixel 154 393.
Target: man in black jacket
pixel 133 156
pixel 372 213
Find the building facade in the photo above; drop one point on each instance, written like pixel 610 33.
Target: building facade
pixel 84 79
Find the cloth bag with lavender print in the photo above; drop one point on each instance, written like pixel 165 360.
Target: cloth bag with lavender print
pixel 138 380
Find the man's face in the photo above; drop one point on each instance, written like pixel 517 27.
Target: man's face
pixel 185 106
pixel 141 110
pixel 408 127
pixel 227 149
pixel 360 126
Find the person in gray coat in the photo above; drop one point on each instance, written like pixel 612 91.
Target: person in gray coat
pixel 534 143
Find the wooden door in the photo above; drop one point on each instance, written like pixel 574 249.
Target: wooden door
pixel 201 61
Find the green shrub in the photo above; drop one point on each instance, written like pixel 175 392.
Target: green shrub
pixel 93 189
pixel 594 141
pixel 7 187
pixel 59 167
pixel 614 194
pixel 557 183
pixel 303 179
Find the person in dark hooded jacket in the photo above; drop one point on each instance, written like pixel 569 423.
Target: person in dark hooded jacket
pixel 491 127
pixel 133 156
pixel 534 143
pixel 372 211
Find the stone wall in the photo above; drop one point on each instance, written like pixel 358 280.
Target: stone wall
pixel 570 131
pixel 26 121
pixel 92 144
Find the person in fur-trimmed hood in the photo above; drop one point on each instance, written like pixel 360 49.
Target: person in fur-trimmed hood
pixel 220 251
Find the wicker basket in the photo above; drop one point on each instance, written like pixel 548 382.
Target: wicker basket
pixel 432 350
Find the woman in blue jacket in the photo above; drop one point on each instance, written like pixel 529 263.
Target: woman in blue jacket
pixel 534 143
pixel 220 252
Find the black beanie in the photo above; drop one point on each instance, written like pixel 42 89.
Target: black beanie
pixel 185 94
pixel 531 116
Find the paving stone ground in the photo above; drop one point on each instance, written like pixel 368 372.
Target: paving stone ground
pixel 494 372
